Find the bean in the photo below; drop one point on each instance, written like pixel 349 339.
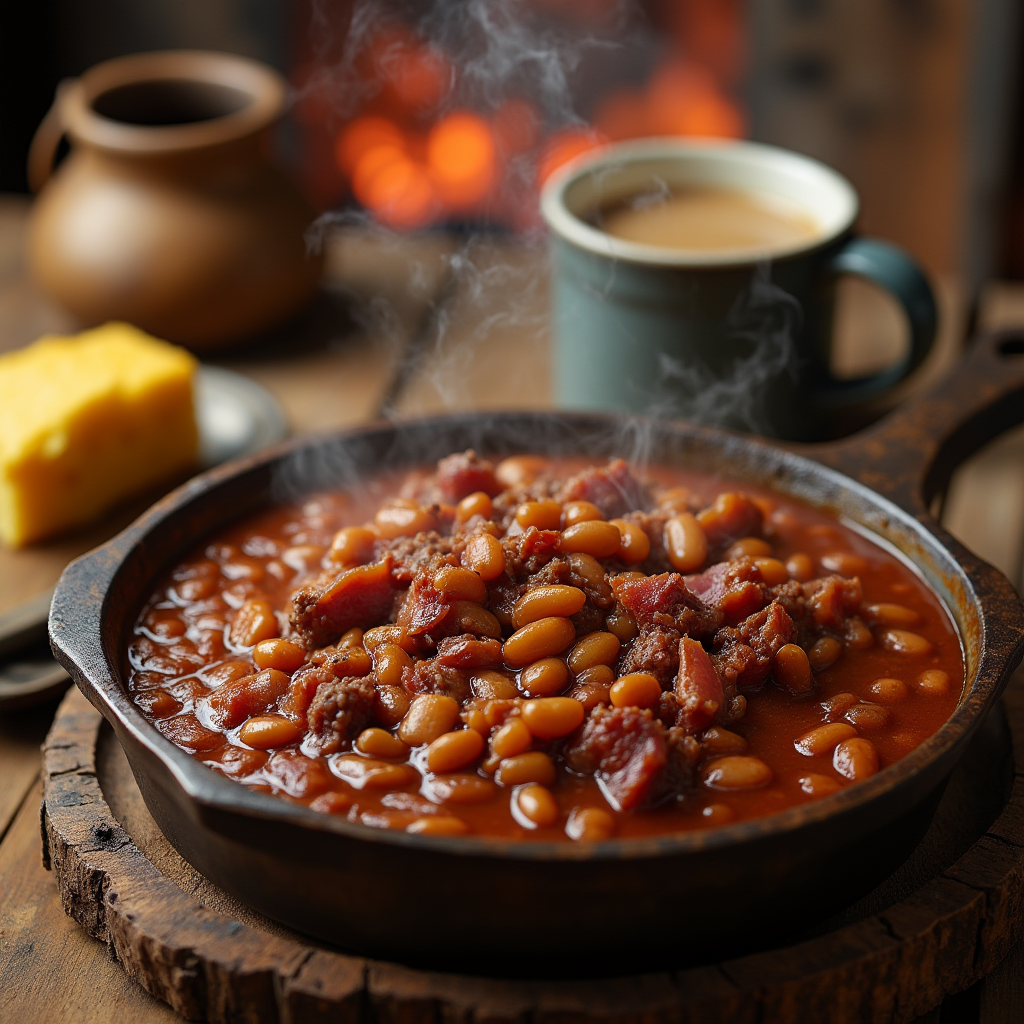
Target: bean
pixel 634 544
pixel 892 615
pixel 636 690
pixel 536 640
pixel 438 825
pixel 856 759
pixel 302 557
pixel 544 678
pixel 454 750
pixel 474 716
pixel 404 520
pixel 889 691
pixel 773 572
pixel 866 716
pixel 380 743
pixel 675 500
pixel 498 711
pixel 589 824
pixel 518 469
pixel 837 706
pixel 476 504
pixel 390 706
pixel 352 545
pixel 844 562
pixel 792 669
pixel 598 648
pixel 542 602
pixel 824 738
pixel 389 662
pixel 351 638
pixel 749 547
pixel 717 742
pixel 545 514
pixel 902 641
pixel 594 537
pixel 492 685
pixel 858 636
pixel 367 773
pixel 737 771
pixel 533 766
pixel 591 694
pixel 470 617
pixel 280 654
pixel 461 789
pixel 158 703
pixel 592 575
pixel 265 732
pixel 512 738
pixel 825 652
pixel 165 627
pixel 718 814
pixel 933 682
pixel 350 661
pixel 484 555
pixel 460 584
pixel 800 567
pixel 550 718
pixel 623 625
pixel 580 512
pixel 685 542
pixel 253 622
pixel 332 802
pixel 817 785
pixel 536 804
pixel 597 675
pixel 429 716
pixel 392 634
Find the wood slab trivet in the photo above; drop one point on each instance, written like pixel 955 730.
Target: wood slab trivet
pixel 943 921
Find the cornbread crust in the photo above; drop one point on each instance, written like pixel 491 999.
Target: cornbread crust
pixel 86 421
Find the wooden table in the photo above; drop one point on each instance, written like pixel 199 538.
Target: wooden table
pixel 406 327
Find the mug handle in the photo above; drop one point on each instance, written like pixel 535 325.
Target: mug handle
pixel 43 149
pixel 893 269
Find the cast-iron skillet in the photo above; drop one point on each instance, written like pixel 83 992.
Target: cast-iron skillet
pixel 499 906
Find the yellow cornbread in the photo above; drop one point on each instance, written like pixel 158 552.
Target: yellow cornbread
pixel 86 421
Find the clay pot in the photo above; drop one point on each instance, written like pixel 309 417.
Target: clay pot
pixel 167 212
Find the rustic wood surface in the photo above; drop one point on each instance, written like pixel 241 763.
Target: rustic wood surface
pixel 209 957
pixel 389 304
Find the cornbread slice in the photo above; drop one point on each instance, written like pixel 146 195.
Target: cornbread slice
pixel 86 421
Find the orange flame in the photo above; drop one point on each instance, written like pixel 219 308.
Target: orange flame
pixel 462 160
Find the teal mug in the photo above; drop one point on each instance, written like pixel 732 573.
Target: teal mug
pixel 738 338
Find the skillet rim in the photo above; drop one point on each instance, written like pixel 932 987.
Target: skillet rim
pixel 97 574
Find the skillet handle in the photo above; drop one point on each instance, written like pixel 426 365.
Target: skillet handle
pixel 910 455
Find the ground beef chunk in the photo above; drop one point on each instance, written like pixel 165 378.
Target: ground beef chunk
pixel 336 602
pixel 502 595
pixel 625 749
pixel 411 556
pixel 832 600
pixel 667 601
pixel 655 650
pixel 612 488
pixel 433 676
pixel 528 552
pixel 734 589
pixel 463 474
pixel 744 654
pixel 339 711
pixel 557 571
pixel 677 778
pixel 587 619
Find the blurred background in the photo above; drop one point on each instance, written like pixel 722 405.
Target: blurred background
pixel 915 100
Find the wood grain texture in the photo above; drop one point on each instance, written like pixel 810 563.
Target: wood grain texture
pixel 161 926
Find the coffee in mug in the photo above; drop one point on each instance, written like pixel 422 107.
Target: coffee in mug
pixel 709 220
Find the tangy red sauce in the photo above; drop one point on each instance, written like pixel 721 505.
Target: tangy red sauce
pixel 187 646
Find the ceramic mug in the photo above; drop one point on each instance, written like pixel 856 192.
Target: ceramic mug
pixel 738 340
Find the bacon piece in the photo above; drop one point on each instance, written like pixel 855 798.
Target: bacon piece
pixel 424 608
pixel 295 703
pixel 468 651
pixel 732 588
pixel 362 596
pixel 744 654
pixel 465 473
pixel 625 749
pixel 697 686
pixel 339 711
pixel 613 489
pixel 233 702
pixel 667 600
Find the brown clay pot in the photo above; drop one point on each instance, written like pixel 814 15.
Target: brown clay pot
pixel 168 213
